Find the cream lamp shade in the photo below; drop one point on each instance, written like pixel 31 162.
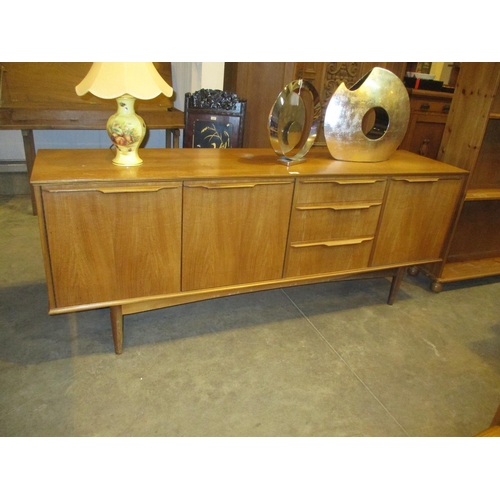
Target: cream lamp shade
pixel 125 82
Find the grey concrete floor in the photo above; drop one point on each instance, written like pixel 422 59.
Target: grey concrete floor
pixel 321 360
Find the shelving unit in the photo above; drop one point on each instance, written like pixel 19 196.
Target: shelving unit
pixel 471 141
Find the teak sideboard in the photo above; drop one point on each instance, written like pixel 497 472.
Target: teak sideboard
pixel 194 224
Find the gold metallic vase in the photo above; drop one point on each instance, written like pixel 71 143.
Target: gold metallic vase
pixel 368 121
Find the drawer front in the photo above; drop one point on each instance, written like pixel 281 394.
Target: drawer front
pixel 327 257
pixel 429 106
pixel 339 190
pixel 333 225
pixel 328 221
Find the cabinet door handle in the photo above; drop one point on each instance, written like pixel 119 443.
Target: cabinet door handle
pixel 357 206
pixel 345 182
pixel 240 185
pixel 115 190
pixel 416 179
pixel 334 243
pixel 142 189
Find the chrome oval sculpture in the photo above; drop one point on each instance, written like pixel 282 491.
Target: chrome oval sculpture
pixel 294 121
pixel 368 121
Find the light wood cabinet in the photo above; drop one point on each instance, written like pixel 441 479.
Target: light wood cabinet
pixel 194 224
pixel 472 141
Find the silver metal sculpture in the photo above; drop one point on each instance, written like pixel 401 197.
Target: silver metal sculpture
pixel 368 121
pixel 294 121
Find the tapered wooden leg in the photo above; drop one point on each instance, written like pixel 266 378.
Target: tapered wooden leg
pixel 117 327
pixel 29 151
pixel 396 281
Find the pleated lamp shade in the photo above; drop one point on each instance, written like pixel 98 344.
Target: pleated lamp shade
pixel 110 80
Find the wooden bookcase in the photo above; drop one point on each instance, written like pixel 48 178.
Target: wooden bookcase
pixel 471 141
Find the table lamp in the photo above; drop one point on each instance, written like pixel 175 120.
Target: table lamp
pixel 125 82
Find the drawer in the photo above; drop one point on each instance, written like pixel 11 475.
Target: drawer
pixel 306 259
pixel 339 190
pixel 329 221
pixel 430 106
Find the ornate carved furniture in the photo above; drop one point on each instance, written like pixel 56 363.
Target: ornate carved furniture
pixel 36 96
pixel 213 119
pixel 193 224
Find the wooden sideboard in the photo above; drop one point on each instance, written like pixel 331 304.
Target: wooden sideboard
pixel 193 224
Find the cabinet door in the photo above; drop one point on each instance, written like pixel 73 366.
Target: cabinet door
pixel 416 219
pixel 426 138
pixel 110 243
pixel 234 232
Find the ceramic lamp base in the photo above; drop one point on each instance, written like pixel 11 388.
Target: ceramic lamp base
pixel 126 130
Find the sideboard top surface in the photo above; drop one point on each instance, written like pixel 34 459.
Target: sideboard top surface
pixel 95 165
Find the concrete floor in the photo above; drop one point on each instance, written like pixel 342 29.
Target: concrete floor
pixel 322 360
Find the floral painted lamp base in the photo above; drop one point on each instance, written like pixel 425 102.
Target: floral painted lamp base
pixel 126 131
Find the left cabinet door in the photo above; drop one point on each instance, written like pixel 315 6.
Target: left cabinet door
pixel 112 242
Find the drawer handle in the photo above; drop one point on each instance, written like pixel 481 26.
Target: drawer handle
pixel 334 243
pixel 360 206
pixel 446 108
pixel 343 182
pixel 115 190
pixel 235 185
pixel 425 106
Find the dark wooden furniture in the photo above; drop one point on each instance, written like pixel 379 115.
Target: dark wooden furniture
pixel 429 112
pixel 37 96
pixel 194 224
pixel 472 141
pixel 213 119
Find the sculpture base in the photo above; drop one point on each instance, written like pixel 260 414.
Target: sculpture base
pixel 288 162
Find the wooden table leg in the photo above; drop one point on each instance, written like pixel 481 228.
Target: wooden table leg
pixel 30 152
pixel 176 133
pixel 117 327
pixel 396 281
pixel 172 138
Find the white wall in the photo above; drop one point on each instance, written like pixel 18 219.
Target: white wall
pixel 186 77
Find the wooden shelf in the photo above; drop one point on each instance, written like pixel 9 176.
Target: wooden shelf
pixel 457 271
pixel 483 194
pixel 494 116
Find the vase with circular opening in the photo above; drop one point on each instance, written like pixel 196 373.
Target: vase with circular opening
pixel 368 121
